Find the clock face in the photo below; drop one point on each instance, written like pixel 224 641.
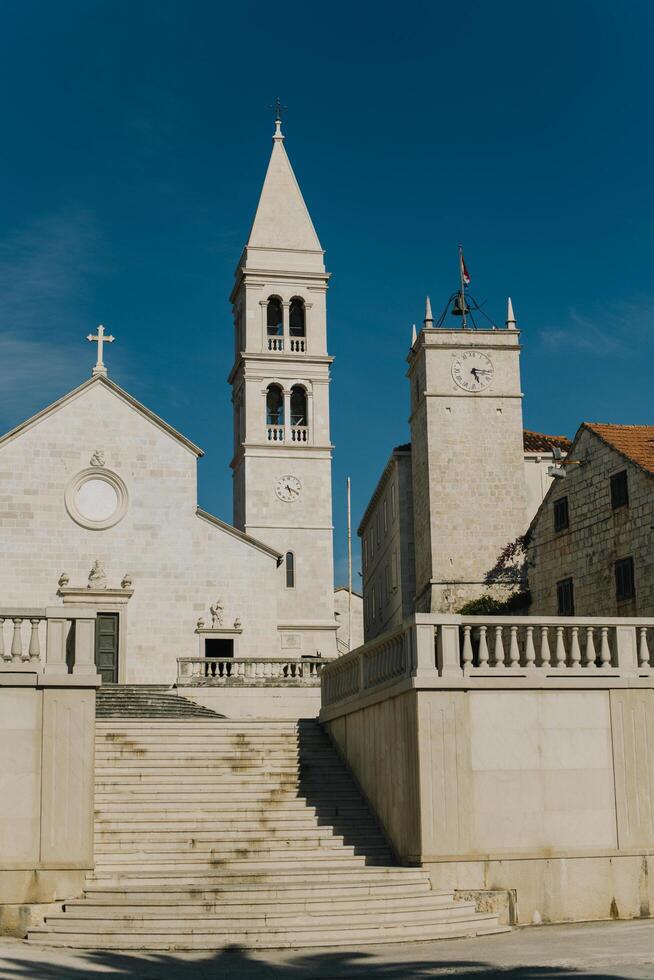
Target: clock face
pixel 472 370
pixel 288 488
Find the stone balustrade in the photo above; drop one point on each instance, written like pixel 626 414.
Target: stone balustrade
pixel 298 345
pixel 469 651
pixel 241 672
pixel 40 640
pixel 275 343
pixel 299 433
pixel 275 433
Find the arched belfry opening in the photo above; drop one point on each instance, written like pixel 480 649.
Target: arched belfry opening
pixel 275 405
pixel 297 317
pixel 275 317
pixel 298 405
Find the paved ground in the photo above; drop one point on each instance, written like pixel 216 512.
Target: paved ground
pixel 597 950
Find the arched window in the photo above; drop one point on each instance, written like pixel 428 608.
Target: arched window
pixel 275 317
pixel 290 570
pixel 296 319
pixel 298 405
pixel 274 405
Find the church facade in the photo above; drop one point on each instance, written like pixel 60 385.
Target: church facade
pixel 99 495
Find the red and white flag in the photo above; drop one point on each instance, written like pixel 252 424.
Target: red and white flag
pixel 465 275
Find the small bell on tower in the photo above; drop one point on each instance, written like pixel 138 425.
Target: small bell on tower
pixel 460 307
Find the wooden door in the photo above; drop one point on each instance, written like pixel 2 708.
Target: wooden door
pixel 106 647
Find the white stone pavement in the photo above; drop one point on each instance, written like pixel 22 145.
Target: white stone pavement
pixel 594 950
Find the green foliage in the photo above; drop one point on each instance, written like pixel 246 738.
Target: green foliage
pixel 486 605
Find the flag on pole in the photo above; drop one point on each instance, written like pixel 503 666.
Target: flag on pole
pixel 465 275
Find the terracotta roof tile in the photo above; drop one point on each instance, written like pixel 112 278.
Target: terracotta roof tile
pixel 636 442
pixel 538 442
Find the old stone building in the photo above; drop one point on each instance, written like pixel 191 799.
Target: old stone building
pixel 468 483
pixel 99 501
pixel 590 551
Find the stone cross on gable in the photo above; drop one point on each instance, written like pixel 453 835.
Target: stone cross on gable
pixel 100 340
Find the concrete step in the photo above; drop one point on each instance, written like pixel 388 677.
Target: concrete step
pixel 224 827
pixel 221 876
pixel 180 864
pixel 375 882
pixel 234 792
pixel 89 908
pixel 227 850
pixel 237 810
pixel 191 832
pixel 116 920
pixel 296 938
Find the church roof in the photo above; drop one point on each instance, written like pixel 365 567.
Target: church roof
pixel 100 379
pixel 240 535
pixel 538 442
pixel 533 442
pixel 635 442
pixel 282 219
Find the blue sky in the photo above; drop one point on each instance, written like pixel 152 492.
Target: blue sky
pixel 135 141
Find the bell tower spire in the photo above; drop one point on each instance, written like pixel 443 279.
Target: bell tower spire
pixel 280 392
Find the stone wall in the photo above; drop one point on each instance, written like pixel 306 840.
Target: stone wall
pixel 180 563
pixel 387 546
pixel 597 536
pixel 504 784
pixel 47 732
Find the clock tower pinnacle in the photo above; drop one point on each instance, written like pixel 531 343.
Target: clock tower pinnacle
pixel 280 394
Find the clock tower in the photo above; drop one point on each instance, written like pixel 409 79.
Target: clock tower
pixel 467 457
pixel 280 394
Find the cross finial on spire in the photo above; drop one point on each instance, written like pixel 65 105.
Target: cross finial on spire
pixel 100 340
pixel 279 112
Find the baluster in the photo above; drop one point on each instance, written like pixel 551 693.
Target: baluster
pixel 34 652
pixel 530 649
pixel 17 642
pixel 643 650
pixel 499 648
pixel 575 651
pixel 483 647
pixel 590 648
pixel 514 649
pixel 4 656
pixel 605 649
pixel 545 655
pixel 560 647
pixel 467 648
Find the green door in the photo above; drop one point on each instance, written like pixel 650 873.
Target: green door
pixel 106 647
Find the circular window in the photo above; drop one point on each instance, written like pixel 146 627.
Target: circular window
pixel 96 500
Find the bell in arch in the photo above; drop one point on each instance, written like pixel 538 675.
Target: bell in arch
pixel 460 307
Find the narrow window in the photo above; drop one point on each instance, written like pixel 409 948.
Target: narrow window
pixel 394 576
pixel 275 317
pixel 274 405
pixel 393 502
pixel 374 603
pixel 625 586
pixel 365 554
pixel 561 514
pixel 296 317
pixel 290 570
pixel 385 517
pixel 619 490
pixel 298 405
pixel 387 576
pixel 565 597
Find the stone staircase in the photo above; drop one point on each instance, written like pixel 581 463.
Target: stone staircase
pixel 212 833
pixel 146 701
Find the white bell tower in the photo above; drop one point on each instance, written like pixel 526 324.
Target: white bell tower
pixel 280 393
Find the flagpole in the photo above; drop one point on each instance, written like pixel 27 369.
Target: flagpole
pixel 463 295
pixel 349 566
